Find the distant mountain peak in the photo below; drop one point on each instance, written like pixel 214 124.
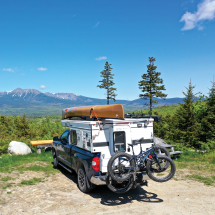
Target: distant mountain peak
pixel 68 96
pixel 20 90
pixel 26 94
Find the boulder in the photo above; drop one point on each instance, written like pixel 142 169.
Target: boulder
pixel 158 140
pixel 18 148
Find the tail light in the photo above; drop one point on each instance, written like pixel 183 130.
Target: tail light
pixel 95 163
pixel 150 156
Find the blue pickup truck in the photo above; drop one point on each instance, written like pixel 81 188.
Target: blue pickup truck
pixel 87 146
pixel 73 158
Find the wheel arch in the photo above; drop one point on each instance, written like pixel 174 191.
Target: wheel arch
pixel 54 151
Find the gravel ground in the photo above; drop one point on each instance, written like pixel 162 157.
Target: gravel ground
pixel 59 194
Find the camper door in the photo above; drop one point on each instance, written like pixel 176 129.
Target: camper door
pixel 121 137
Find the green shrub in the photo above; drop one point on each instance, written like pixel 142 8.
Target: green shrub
pixel 24 130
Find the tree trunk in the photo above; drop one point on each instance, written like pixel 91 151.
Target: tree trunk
pixel 150 107
pixel 107 97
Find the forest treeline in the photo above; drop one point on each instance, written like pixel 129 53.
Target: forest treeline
pixel 24 130
pixel 193 123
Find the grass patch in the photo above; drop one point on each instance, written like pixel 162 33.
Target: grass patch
pixel 175 178
pixel 196 166
pixel 197 157
pixel 8 185
pixel 205 180
pixel 20 163
pixel 32 181
pixel 160 174
pixel 182 165
pixel 6 178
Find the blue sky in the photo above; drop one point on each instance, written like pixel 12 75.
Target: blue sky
pixel 62 45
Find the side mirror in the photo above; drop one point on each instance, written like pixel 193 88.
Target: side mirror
pixel 55 138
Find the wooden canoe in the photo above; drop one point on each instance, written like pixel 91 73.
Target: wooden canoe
pixel 98 111
pixel 41 142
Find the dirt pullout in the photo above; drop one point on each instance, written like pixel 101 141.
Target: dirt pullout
pixel 59 195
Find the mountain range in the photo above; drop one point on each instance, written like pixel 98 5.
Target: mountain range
pixel 35 103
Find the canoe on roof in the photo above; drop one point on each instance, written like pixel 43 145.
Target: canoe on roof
pixel 98 111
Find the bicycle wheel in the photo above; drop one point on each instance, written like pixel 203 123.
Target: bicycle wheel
pixel 122 187
pixel 121 166
pixel 160 175
pixel 160 149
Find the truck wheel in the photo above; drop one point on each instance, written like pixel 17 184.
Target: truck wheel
pixel 55 160
pixel 82 183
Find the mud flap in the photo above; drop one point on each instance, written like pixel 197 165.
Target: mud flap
pixel 89 184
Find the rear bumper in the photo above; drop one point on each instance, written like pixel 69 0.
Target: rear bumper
pixel 98 180
pixel 101 180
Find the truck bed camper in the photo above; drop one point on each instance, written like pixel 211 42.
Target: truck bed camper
pixel 94 134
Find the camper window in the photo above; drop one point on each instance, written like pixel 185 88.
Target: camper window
pixel 119 141
pixel 73 137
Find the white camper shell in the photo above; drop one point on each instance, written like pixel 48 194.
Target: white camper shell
pixel 108 136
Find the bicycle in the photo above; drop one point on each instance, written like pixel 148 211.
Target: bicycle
pixel 159 168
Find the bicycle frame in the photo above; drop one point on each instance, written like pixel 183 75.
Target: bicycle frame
pixel 143 155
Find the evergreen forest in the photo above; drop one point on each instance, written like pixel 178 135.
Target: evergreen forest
pixel 190 124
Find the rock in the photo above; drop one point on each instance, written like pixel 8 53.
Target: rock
pixel 159 141
pixel 18 148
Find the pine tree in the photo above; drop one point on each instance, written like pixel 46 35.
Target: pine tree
pixel 207 130
pixel 3 127
pixel 186 125
pixel 107 82
pixel 151 85
pixel 23 127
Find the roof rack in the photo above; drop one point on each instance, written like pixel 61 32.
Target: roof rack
pixel 135 115
pixel 142 115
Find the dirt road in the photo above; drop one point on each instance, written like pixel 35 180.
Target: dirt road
pixel 59 195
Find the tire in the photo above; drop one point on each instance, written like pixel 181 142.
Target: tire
pixel 116 168
pixel 154 172
pixel 162 149
pixel 116 187
pixel 82 180
pixel 55 160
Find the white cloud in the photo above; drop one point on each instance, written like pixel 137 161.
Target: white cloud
pixel 42 69
pixel 8 70
pixel 206 11
pixel 200 28
pixel 42 87
pixel 190 21
pixel 96 25
pixel 101 58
